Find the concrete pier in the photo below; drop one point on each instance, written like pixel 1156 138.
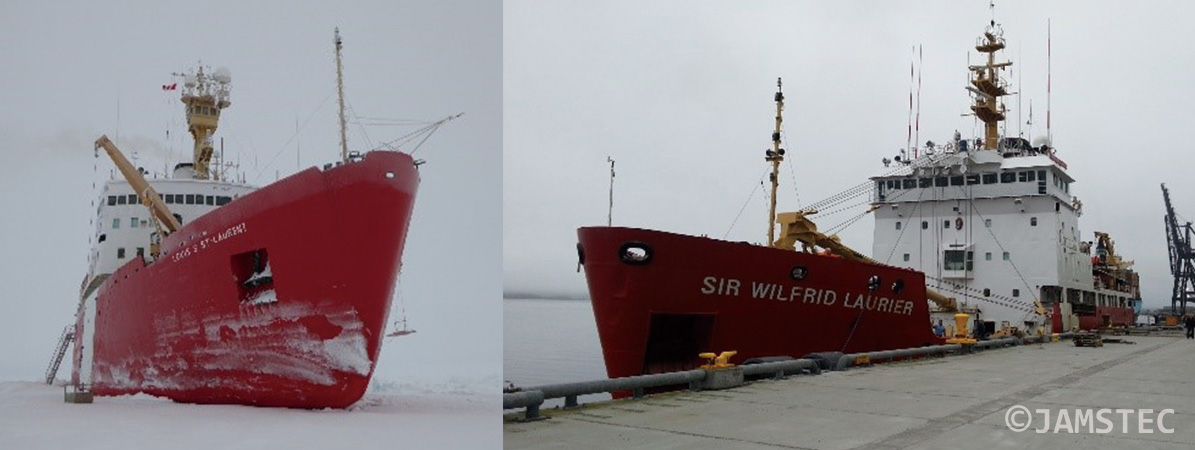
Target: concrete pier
pixel 953 402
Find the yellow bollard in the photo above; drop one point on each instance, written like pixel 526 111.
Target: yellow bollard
pixel 960 333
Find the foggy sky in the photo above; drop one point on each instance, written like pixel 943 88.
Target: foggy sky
pixel 680 95
pixel 66 68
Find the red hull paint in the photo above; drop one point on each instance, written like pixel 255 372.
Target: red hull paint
pixel 684 289
pixel 184 327
pixel 1117 317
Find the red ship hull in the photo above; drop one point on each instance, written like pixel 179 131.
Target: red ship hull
pixel 191 326
pixel 695 294
pixel 1103 317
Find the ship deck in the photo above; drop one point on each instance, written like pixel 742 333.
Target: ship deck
pixel 952 402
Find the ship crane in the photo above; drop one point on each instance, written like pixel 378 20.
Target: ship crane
pixel 1182 258
pixel 796 227
pixel 165 220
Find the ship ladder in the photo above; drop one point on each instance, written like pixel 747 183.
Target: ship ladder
pixel 64 342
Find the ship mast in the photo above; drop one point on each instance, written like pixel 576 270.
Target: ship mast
pixel 344 146
pixel 205 95
pixel 774 156
pixel 988 87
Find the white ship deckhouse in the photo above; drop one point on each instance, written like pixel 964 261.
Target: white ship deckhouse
pixel 993 223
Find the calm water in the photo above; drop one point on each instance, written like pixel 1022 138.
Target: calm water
pixel 550 341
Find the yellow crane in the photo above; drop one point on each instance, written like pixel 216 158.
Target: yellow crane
pixel 796 227
pixel 163 218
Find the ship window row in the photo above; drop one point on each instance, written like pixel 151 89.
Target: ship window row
pixel 960 259
pixel 1026 176
pixel 174 199
pixel 204 110
pixel 120 252
pixel 133 223
pixel 946 223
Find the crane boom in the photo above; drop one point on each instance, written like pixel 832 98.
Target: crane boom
pixel 796 227
pixel 149 197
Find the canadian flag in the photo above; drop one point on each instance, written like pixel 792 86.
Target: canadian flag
pixel 169 87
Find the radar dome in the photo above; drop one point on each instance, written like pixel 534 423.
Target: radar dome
pixel 1042 140
pixel 189 80
pixel 223 75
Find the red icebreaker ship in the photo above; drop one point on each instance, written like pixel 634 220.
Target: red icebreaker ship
pixel 202 289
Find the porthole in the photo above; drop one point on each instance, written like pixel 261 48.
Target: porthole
pixel 898 286
pixel 635 253
pixel 798 273
pixel 873 283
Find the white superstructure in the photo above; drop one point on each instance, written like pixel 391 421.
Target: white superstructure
pixel 124 226
pixel 992 222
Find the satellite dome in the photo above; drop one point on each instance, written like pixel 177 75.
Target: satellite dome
pixel 223 75
pixel 1042 140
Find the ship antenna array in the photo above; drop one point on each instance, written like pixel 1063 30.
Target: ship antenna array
pixel 344 147
pixel 775 156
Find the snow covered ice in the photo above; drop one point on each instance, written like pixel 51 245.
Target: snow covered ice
pixel 459 413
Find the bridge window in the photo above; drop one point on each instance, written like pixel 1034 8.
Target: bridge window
pixel 972 179
pixel 190 199
pixel 898 225
pixel 987 256
pixel 1008 177
pixel 1031 176
pixel 906 257
pixel 210 200
pixel 924 225
pixel 1016 292
pixel 223 200
pixel 1006 256
pixel 1041 175
pixel 133 199
pixel 925 182
pixel 133 222
pixel 989 178
pixel 1033 221
pixel 140 251
pixel 168 198
pixel 120 253
pixel 116 223
pixel 945 224
pixel 909 183
pixel 122 200
pixel 957 260
pixel 940 182
pixel 111 200
pixel 956 180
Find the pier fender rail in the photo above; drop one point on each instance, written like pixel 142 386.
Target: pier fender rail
pixel 532 397
pixel 849 359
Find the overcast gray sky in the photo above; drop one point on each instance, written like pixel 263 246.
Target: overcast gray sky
pixel 680 94
pixel 65 68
